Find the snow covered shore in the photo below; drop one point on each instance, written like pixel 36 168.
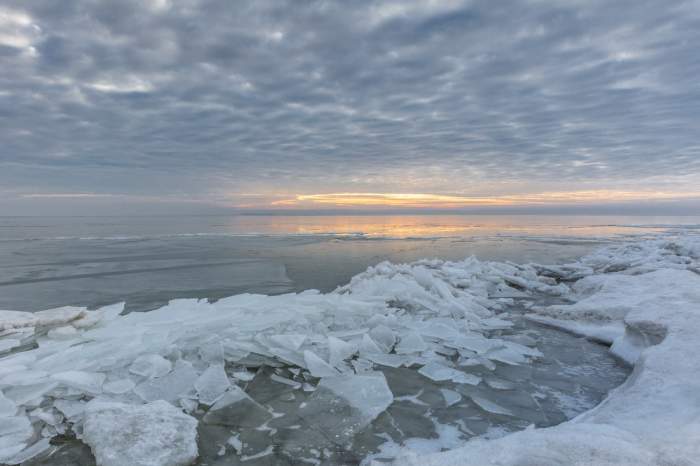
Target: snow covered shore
pixel 654 417
pixel 71 370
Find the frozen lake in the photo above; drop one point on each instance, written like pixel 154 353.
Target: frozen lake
pixel 443 346
pixel 146 261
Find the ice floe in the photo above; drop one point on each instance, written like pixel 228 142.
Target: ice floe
pixel 154 434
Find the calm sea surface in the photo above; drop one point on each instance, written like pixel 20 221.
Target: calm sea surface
pixel 146 261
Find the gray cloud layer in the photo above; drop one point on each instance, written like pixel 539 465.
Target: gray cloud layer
pixel 204 97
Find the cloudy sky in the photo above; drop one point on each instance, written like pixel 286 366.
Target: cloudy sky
pixel 107 106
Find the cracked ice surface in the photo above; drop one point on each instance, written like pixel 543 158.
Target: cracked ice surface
pixel 435 319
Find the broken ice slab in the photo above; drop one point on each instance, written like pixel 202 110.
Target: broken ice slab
pixel 90 382
pixel 490 406
pixel 362 365
pixel 451 397
pixel 157 434
pixel 70 408
pixel 30 452
pixel 411 343
pixel 339 350
pixel 475 360
pixel 25 394
pixel 384 337
pixel 317 366
pixel 344 405
pixel 499 384
pixel 439 373
pixel 150 365
pixel 506 355
pixel 212 384
pixel 285 381
pixel 236 409
pixel 390 360
pixel 170 387
pixel 288 356
pixel 474 342
pixel 368 346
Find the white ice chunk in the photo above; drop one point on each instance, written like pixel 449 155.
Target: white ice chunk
pixel 384 337
pixel 285 381
pixel 437 372
pixel 317 366
pixel 411 343
pixel 70 408
pixel 369 393
pixel 244 376
pixel 368 346
pixel 212 384
pixel 451 397
pixel 236 409
pixel 90 382
pixel 339 350
pixel 507 356
pixel 154 434
pixel 390 360
pixel 344 405
pixel 150 365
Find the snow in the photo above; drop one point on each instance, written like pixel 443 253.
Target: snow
pixel 154 434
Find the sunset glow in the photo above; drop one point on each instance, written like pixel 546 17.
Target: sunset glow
pixel 424 200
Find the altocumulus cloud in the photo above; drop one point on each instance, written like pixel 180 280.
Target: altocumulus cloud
pixel 248 102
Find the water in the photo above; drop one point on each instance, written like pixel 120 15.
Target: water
pixel 146 261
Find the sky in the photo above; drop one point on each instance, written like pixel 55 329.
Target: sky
pixel 200 106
